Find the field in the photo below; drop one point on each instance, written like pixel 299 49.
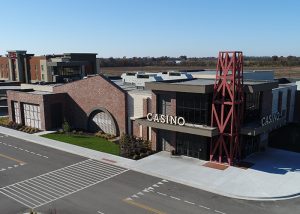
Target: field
pixel 287 72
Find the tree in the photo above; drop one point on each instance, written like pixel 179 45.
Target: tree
pixel 183 57
pixel 275 58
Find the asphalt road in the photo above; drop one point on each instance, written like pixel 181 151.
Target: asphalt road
pixel 53 181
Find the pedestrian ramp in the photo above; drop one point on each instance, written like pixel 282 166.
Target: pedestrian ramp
pixel 48 187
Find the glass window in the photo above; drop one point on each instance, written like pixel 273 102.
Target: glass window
pixel 16 107
pixel 164 104
pixel 252 106
pixel 32 115
pixel 195 108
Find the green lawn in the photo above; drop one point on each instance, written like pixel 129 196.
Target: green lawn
pixel 91 142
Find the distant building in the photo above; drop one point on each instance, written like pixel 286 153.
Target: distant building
pixel 19 66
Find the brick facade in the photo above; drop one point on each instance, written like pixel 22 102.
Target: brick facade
pixel 35 68
pixel 172 111
pixel 4 68
pixel 84 96
pixel 78 101
pixel 43 100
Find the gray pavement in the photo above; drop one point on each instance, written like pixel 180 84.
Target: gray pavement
pixel 53 181
pixel 275 174
pixel 132 192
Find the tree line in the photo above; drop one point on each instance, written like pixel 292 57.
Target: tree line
pixel 249 61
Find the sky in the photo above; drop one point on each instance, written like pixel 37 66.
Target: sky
pixel 141 28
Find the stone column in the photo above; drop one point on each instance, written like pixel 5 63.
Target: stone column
pixel 11 75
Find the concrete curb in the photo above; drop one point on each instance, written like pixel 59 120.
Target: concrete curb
pixel 77 150
pixel 218 192
pixel 127 163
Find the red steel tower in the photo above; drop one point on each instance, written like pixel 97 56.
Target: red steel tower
pixel 227 107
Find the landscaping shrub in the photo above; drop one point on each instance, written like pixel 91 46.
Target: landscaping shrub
pixel 4 121
pixel 142 155
pixel 61 131
pixel 149 152
pixel 66 126
pixel 133 147
pixel 104 135
pixel 136 157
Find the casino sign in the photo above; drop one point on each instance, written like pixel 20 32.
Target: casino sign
pixel 168 119
pixel 269 119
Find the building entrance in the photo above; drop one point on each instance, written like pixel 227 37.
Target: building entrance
pixel 164 140
pixel 250 145
pixel 192 145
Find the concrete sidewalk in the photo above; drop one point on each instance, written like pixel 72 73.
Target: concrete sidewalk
pixel 275 174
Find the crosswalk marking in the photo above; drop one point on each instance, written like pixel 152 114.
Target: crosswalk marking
pixel 43 189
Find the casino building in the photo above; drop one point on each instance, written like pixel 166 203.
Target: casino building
pixel 171 109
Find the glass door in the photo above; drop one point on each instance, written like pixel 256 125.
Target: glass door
pixel 182 146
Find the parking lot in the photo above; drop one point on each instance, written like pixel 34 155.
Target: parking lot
pixel 52 181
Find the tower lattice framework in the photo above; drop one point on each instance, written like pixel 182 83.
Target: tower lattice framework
pixel 227 107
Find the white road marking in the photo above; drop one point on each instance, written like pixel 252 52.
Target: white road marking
pixel 178 199
pixel 189 202
pixel 217 211
pixel 151 189
pixel 21 149
pixel 204 207
pixel 160 193
pixel 51 186
pixel 100 212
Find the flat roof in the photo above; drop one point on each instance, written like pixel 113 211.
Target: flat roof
pixel 40 92
pixel 124 86
pixel 206 85
pixel 130 87
pixel 195 82
pixel 13 87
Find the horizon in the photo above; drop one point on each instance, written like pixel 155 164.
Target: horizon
pixel 141 29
